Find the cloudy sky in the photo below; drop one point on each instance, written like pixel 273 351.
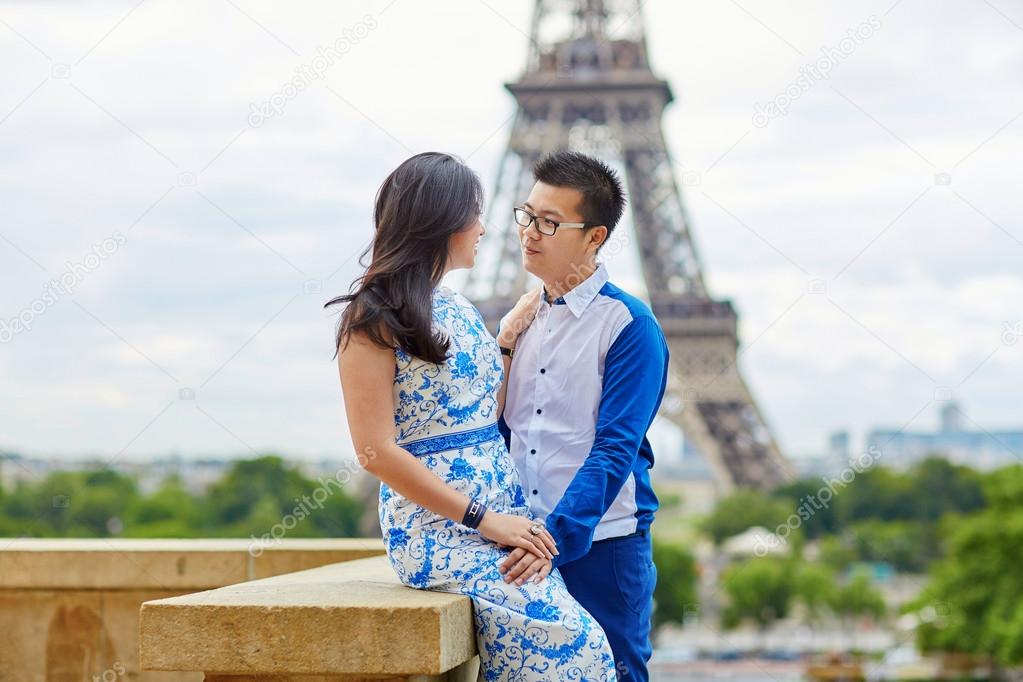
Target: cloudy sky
pixel 165 253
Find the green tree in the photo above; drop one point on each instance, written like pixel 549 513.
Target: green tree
pixel 818 515
pixel 908 545
pixel 338 517
pixel 170 511
pixel 675 593
pixel 101 499
pixel 743 509
pixel 68 503
pixel 760 590
pixel 47 504
pixel 973 602
pixel 254 497
pixel 942 487
pixel 815 589
pixel 265 496
pixel 855 598
pixel 836 552
pixel 876 493
pixel 249 484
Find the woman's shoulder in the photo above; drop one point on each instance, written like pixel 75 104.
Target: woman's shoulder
pixel 444 293
pixel 461 302
pixel 458 298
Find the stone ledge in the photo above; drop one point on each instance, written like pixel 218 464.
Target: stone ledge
pixel 134 564
pixel 350 619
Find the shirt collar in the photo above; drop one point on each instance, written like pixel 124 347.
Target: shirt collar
pixel 579 297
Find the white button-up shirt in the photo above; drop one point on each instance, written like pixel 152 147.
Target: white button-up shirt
pixel 584 386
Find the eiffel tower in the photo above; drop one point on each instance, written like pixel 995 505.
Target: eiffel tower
pixel 588 86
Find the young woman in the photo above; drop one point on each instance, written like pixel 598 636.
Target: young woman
pixel 422 380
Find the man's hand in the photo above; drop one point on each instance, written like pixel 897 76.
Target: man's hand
pixel 521 565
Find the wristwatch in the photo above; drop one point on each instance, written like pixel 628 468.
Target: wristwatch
pixel 510 352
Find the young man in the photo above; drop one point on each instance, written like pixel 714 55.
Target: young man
pixel 583 385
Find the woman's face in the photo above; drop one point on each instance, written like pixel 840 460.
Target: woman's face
pixel 464 244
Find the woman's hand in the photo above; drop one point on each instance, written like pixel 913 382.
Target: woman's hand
pixel 509 530
pixel 525 567
pixel 519 318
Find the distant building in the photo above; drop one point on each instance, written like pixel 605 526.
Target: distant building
pixel 831 463
pixel 951 418
pixel 982 449
pixel 16 468
pixel 838 446
pixel 681 470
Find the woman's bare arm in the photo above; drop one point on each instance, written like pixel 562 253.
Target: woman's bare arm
pixel 367 382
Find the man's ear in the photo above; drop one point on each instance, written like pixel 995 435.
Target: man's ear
pixel 598 235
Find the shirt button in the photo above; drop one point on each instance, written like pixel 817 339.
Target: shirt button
pixel 533 451
pixel 539 411
pixel 543 371
pixel 536 492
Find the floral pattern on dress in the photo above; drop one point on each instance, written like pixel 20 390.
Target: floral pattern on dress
pixel 446 415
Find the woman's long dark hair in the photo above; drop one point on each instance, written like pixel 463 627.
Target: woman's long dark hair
pixel 419 206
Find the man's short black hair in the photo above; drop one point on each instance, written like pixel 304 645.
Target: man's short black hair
pixel 603 199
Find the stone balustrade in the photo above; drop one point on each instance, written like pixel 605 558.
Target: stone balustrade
pixel 344 621
pixel 69 608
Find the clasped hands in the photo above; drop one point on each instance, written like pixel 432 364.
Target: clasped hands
pixel 533 547
pixel 520 566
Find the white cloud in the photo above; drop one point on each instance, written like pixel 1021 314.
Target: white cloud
pixel 191 285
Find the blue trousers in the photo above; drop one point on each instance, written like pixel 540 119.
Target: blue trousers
pixel 615 582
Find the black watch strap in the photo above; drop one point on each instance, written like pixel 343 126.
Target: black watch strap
pixel 474 513
pixel 510 352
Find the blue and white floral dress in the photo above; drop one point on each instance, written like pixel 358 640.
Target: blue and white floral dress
pixel 446 415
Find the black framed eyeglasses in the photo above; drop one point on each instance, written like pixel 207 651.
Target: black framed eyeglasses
pixel 545 225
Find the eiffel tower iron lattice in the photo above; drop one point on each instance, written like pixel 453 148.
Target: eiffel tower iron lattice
pixel 589 86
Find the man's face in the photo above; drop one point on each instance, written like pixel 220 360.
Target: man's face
pixel 551 257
